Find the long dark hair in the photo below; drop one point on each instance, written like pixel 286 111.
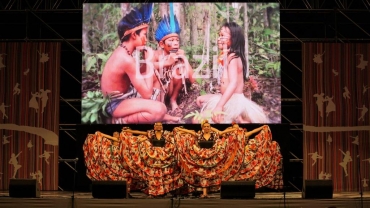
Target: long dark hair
pixel 237 44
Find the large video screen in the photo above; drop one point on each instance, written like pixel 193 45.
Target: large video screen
pixel 180 63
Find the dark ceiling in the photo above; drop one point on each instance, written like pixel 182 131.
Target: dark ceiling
pixel 339 21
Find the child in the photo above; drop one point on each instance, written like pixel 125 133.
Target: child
pixel 172 73
pixel 232 73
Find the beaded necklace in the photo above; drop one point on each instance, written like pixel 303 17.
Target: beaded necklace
pixel 123 46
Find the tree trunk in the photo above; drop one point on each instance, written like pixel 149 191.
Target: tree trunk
pixel 185 31
pixel 246 30
pixel 177 9
pixel 207 22
pixel 85 30
pixel 203 16
pixel 236 7
pixel 194 26
pixel 153 28
pixel 216 27
pixel 125 8
pixel 180 15
pixel 265 19
pixel 163 9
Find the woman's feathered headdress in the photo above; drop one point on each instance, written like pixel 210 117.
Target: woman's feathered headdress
pixel 137 19
pixel 168 26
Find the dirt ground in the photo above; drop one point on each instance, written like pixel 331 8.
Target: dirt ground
pixel 267 95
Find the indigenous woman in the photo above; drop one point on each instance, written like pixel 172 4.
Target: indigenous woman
pixel 232 75
pixel 203 167
pixel 154 164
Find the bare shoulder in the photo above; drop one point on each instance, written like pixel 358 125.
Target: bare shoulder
pixel 156 54
pixel 233 57
pixel 235 61
pixel 118 63
pixel 127 63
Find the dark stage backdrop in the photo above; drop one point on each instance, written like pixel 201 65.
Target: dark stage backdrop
pixel 336 120
pixel 280 134
pixel 29 112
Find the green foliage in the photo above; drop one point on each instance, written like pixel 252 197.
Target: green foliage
pixel 101 26
pixel 264 42
pixel 203 92
pixel 272 68
pixel 199 81
pixel 199 117
pixel 195 114
pixel 93 107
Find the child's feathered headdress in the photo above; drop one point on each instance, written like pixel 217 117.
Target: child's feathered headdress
pixel 168 26
pixel 137 19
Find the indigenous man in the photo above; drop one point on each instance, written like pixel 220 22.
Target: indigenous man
pixel 130 89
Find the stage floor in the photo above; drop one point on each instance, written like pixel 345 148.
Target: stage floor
pixel 63 199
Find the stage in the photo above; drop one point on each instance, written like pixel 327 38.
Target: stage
pixel 63 199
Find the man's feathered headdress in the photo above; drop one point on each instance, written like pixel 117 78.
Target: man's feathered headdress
pixel 168 26
pixel 135 20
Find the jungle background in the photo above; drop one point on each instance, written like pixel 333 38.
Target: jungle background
pixel 200 23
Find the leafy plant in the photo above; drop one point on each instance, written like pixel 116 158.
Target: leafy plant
pixel 93 107
pixel 207 115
